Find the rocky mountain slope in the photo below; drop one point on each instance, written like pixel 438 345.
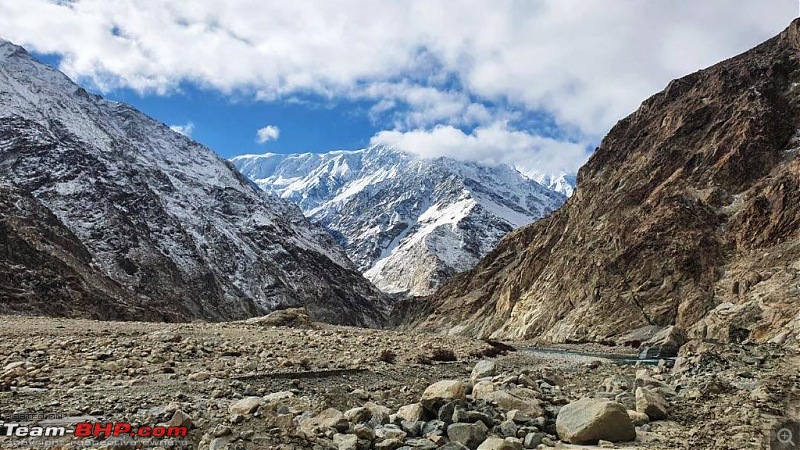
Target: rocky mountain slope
pixel 105 212
pixel 688 213
pixel 408 223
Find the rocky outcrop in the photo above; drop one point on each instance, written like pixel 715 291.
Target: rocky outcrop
pixel 688 214
pixel 107 213
pixel 45 267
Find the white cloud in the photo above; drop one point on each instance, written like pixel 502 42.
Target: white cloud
pixel 421 63
pixel 267 133
pixel 494 144
pixel 185 129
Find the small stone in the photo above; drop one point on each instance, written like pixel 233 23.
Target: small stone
pixel 199 376
pixel 220 431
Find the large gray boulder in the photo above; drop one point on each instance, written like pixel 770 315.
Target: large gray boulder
pixel 498 443
pixel 468 434
pixel 652 403
pixel 521 399
pixel 589 420
pixel 483 369
pixel 442 392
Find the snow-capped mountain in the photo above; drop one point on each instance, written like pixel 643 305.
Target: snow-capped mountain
pixel 408 223
pixel 563 181
pixel 122 213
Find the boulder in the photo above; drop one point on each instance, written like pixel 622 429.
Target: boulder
pixel 358 415
pixel 180 419
pixel 453 446
pixel 638 418
pixel 496 443
pixel 442 392
pixel 481 389
pixel 389 444
pixel 518 416
pixel 390 432
pixel 665 344
pixel 412 413
pixel 589 420
pixel 345 441
pixel 468 434
pixel 246 406
pixel 507 428
pixel 330 418
pixel 652 403
pixel 483 369
pixel 422 444
pixel 521 399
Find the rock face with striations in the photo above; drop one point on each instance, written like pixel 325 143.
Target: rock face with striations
pixel 688 214
pixel 106 213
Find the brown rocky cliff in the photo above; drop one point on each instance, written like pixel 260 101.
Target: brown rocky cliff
pixel 686 211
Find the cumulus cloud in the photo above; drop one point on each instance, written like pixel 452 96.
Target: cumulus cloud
pixel 185 129
pixel 267 133
pixel 494 144
pixel 422 63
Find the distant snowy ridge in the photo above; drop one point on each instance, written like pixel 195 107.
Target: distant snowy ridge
pixel 408 223
pixel 561 181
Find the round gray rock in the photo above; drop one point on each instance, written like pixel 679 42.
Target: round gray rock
pixel 589 420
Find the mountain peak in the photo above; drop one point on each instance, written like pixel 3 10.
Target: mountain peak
pixel 408 222
pixel 133 217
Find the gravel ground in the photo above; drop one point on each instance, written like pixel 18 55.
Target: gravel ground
pixel 143 372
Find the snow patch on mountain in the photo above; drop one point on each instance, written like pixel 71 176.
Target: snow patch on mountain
pixel 408 223
pixel 163 217
pixel 563 182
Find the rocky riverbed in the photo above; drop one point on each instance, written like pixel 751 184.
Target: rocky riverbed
pixel 285 383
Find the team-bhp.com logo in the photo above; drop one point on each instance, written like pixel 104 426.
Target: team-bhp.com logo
pixel 86 429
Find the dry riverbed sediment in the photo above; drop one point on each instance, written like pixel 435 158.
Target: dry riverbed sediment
pixel 285 383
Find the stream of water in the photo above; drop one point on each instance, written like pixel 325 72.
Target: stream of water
pixel 621 359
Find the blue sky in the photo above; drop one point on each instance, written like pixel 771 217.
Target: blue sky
pixel 228 124
pixel 535 83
